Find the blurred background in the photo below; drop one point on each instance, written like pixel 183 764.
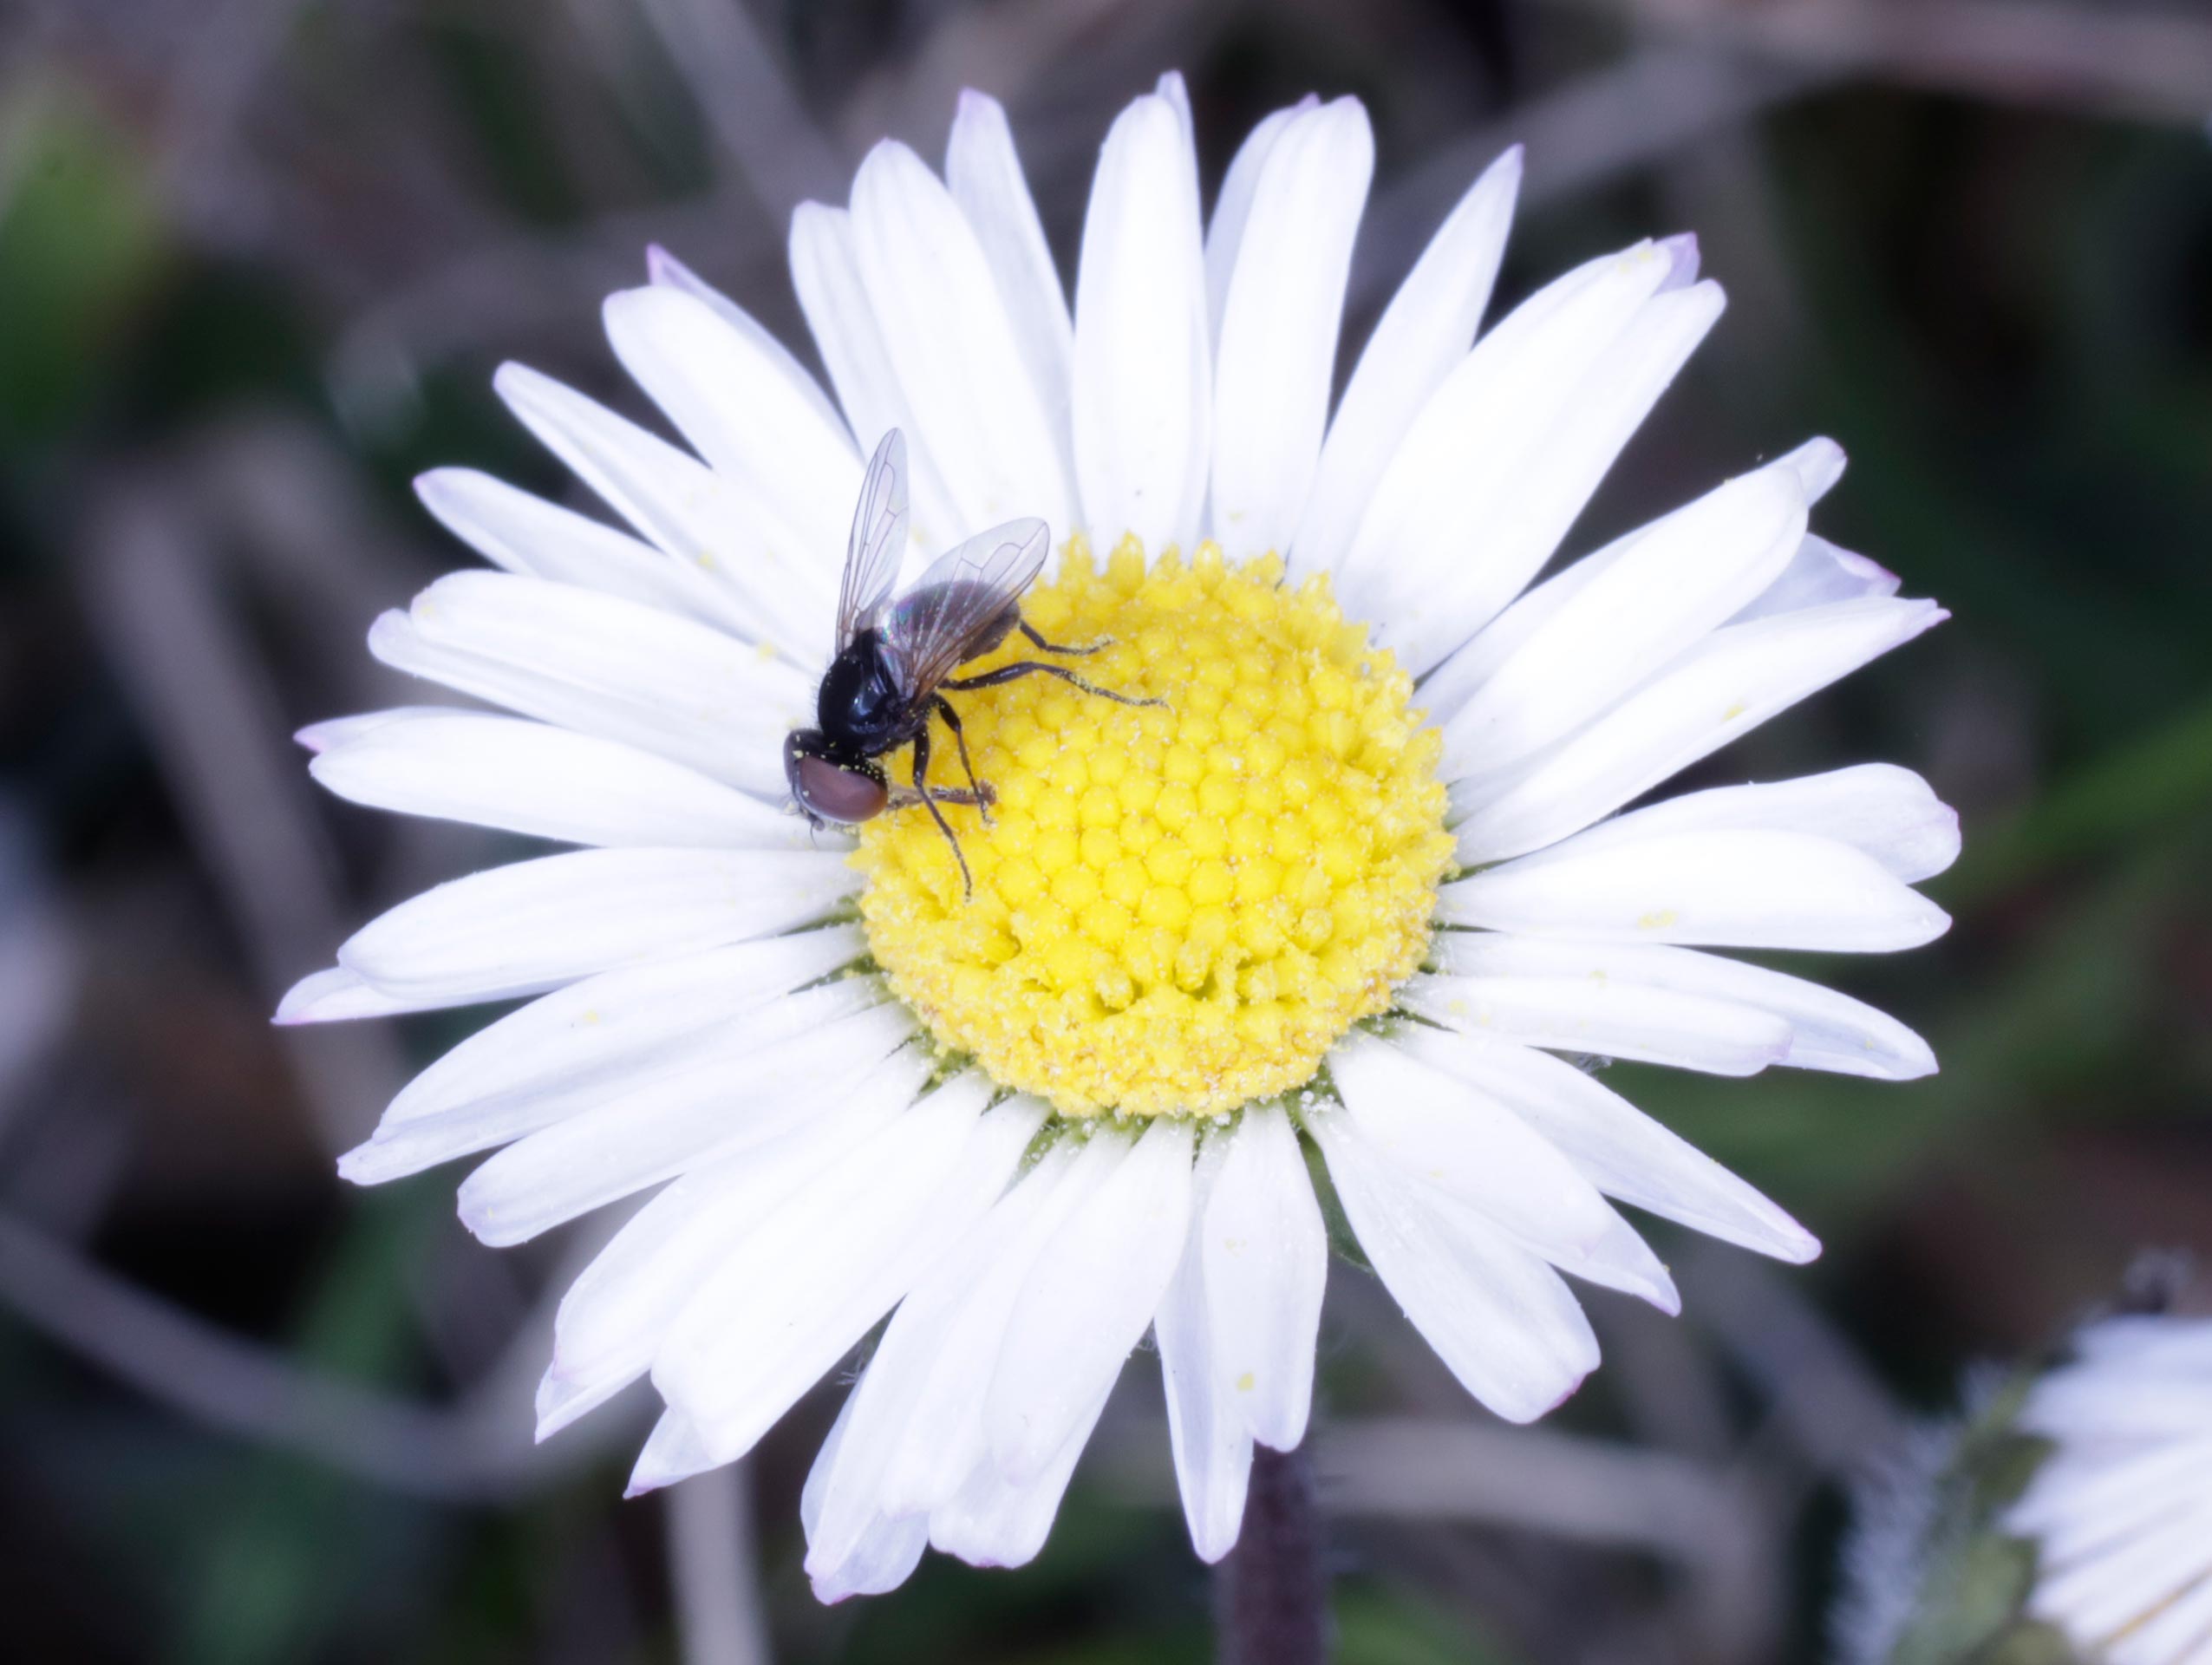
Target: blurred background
pixel 258 261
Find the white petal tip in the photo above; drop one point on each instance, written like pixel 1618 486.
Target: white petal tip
pixel 625 307
pixel 974 103
pixel 653 1472
pixel 513 381
pixel 1535 1410
pixel 1682 255
pixel 434 486
pixel 1801 1248
pixel 318 997
pixel 359 1166
pixel 481 1225
pixel 554 1417
pixel 1819 464
pixel 557 1403
pixel 884 157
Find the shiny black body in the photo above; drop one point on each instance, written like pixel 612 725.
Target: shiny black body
pixel 866 706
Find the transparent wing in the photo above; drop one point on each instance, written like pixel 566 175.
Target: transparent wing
pixel 945 619
pixel 878 539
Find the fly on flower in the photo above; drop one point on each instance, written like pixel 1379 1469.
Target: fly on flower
pixel 895 657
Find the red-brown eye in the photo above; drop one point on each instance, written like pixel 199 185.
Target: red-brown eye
pixel 832 793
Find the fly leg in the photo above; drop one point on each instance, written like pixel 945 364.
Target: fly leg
pixel 1021 668
pixel 929 802
pixel 982 797
pixel 906 797
pixel 1043 646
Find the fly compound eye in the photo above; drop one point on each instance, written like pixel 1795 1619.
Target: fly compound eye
pixel 831 792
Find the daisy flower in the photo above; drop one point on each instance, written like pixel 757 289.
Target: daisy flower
pixel 1351 887
pixel 2121 1511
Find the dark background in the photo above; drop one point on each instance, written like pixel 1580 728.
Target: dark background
pixel 258 260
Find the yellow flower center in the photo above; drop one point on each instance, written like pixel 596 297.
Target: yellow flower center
pixel 1178 910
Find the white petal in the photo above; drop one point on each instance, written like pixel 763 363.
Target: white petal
pixel 948 338
pixel 1660 590
pixel 985 176
pixel 1275 353
pixel 1819 464
pixel 1540 350
pixel 1590 1013
pixel 1143 382
pixel 320 737
pixel 1724 888
pixel 532 924
pixel 826 270
pixel 1445 690
pixel 1891 813
pixel 2179 1632
pixel 527 535
pixel 609 1026
pixel 681 1082
pixel 796 472
pixel 2148 1343
pixel 1233 207
pixel 1820 573
pixel 2108 1595
pixel 582 1044
pixel 1171 91
pixel 663 1124
pixel 615 1316
pixel 673 500
pixel 1503 457
pixel 1266 1258
pixel 606 667
pixel 1500 1319
pixel 792 1298
pixel 815 1492
pixel 1732 681
pixel 739 1211
pixel 669 272
pixel 884 1560
pixel 996 1521
pixel 1422 336
pixel 1087 1301
pixel 337 995
pixel 1814 466
pixel 1206 1431
pixel 1824 1030
pixel 674 1451
pixel 1622 1151
pixel 546 782
pixel 1436 1131
pixel 914 1426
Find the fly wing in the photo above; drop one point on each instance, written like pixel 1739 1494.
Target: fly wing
pixel 944 619
pixel 872 557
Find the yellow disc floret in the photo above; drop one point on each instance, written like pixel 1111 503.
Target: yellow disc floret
pixel 1178 908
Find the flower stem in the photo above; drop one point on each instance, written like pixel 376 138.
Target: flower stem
pixel 1271 1598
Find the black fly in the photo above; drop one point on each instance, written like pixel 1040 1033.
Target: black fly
pixel 895 655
